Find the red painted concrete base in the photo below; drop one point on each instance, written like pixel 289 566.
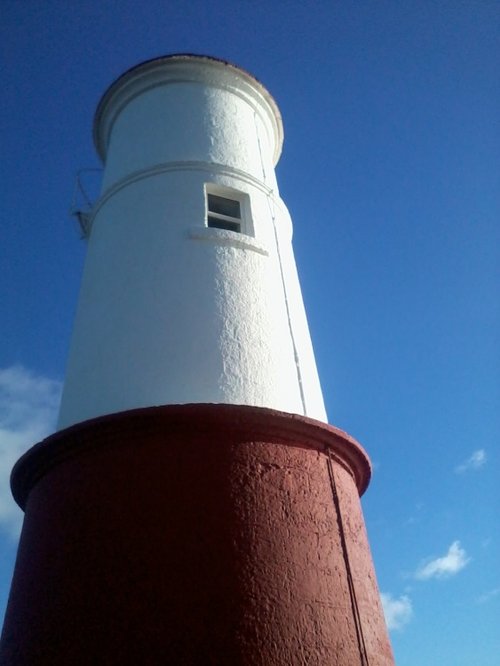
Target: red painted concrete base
pixel 193 534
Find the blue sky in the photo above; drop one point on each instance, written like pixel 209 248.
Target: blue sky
pixel 390 171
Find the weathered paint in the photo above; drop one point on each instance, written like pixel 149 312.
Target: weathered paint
pixel 194 534
pixel 172 311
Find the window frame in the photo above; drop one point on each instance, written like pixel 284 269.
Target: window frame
pixel 228 223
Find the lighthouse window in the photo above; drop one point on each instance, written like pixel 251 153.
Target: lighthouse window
pixel 223 213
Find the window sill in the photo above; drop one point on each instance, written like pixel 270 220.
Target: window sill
pixel 231 238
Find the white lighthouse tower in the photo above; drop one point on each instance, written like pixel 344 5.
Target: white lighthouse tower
pixel 194 507
pixel 190 291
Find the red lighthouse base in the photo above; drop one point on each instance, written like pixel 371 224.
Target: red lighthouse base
pixel 194 534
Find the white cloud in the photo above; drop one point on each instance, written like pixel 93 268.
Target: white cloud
pixel 475 461
pixel 444 567
pixel 28 409
pixel 397 612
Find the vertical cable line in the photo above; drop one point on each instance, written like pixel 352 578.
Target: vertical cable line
pixel 269 193
pixel 363 655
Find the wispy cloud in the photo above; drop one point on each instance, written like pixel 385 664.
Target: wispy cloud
pixel 444 567
pixel 397 611
pixel 416 517
pixel 475 461
pixel 488 596
pixel 28 409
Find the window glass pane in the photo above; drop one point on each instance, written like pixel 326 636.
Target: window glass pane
pixel 219 223
pixel 223 206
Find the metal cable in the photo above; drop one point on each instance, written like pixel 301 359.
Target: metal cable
pixel 270 204
pixel 352 592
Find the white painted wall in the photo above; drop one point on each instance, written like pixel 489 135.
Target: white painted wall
pixel 172 311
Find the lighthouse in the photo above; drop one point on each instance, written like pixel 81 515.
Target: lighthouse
pixel 194 506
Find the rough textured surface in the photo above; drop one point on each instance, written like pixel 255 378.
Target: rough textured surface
pixel 168 314
pixel 195 534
